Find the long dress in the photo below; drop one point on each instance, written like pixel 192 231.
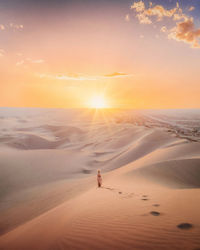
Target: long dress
pixel 99 180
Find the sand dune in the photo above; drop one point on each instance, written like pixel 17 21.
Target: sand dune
pixel 150 197
pixel 174 173
pixel 32 142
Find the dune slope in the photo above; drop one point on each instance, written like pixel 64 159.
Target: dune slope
pixel 150 197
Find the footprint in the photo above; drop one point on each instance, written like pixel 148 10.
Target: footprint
pixel 112 189
pixel 185 226
pixel 156 205
pixel 154 213
pixel 128 195
pixel 144 214
pixel 117 191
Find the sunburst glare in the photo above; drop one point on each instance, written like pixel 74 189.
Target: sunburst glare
pixel 98 102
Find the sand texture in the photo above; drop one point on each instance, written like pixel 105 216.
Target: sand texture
pixel 150 165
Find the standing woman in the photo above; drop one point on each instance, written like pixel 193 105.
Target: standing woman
pixel 99 179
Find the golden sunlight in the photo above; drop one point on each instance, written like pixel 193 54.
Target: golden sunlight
pixel 98 102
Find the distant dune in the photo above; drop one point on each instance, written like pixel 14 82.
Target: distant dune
pixel 150 164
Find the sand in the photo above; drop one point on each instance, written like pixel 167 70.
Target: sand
pixel 150 198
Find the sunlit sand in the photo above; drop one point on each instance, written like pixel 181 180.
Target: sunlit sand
pixel 149 162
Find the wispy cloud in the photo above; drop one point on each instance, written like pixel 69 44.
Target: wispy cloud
pixel 116 75
pixel 127 18
pixel 82 77
pixel 19 63
pixel 2 27
pixel 191 8
pixel 2 52
pixel 163 29
pixel 12 26
pixel 184 29
pixel 28 61
pixel 37 61
pixel 16 26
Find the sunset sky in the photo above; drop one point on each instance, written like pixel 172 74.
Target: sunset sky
pixel 136 54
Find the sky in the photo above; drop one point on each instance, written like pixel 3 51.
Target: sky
pixel 134 54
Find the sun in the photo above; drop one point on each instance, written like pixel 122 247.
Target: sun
pixel 98 102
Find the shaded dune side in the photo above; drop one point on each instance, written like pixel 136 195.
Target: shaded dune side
pixel 142 146
pixel 30 203
pixel 31 141
pixel 122 138
pixel 43 137
pixel 182 173
pixel 21 171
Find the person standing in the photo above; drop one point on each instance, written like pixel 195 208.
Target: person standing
pixel 99 178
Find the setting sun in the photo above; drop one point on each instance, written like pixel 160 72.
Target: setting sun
pixel 98 102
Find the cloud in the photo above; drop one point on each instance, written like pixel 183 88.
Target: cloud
pixel 2 27
pixel 11 26
pixel 127 18
pixel 191 8
pixel 138 6
pixel 143 18
pixel 28 61
pixel 116 74
pixel 158 11
pixel 2 52
pixel 184 29
pixel 81 77
pixel 72 77
pixel 37 61
pixel 163 29
pixel 16 26
pixel 19 63
pixel 19 54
